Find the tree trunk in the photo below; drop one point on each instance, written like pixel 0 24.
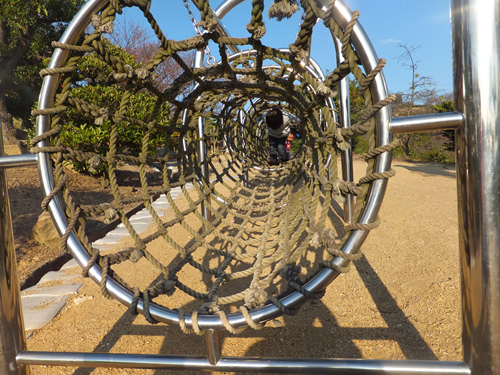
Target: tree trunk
pixel 404 141
pixel 10 135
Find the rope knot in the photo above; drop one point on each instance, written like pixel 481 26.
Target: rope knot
pixel 119 77
pixel 151 125
pixel 110 214
pixel 209 308
pixel 281 9
pixel 337 193
pixel 104 115
pixel 324 89
pixel 342 144
pixel 291 273
pixel 257 32
pixel 106 28
pixel 299 53
pixel 324 237
pixel 95 163
pixel 135 255
pixel 169 286
pixel 197 42
pixel 209 24
pixel 255 297
pixel 142 73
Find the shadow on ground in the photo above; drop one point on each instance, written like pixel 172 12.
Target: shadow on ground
pixel 445 170
pixel 328 341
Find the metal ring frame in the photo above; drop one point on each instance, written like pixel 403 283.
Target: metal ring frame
pixel 476 51
pixel 369 60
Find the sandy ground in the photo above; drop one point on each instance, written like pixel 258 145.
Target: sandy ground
pixel 400 301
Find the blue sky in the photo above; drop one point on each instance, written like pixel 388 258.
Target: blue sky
pixel 424 23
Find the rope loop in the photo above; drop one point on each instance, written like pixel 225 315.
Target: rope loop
pixel 93 259
pixel 53 193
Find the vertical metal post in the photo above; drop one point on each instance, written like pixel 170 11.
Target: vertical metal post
pixel 202 150
pixel 202 160
pixel 12 339
pixel 476 53
pixel 245 164
pixel 345 122
pixel 214 348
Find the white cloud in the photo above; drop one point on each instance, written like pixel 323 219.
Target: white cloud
pixel 391 41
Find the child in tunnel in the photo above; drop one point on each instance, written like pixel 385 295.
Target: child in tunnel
pixel 278 129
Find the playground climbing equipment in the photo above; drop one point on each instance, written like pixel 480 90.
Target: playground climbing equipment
pixel 247 220
pixel 263 239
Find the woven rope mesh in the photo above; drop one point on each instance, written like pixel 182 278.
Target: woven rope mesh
pixel 238 232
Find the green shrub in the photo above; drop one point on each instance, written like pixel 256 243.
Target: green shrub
pixel 80 131
pixel 359 145
pixel 84 132
pixel 295 145
pixel 398 152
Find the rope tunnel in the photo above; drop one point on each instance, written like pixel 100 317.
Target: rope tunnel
pixel 243 241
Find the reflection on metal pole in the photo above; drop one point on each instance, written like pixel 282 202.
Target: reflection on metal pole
pixel 345 122
pixel 426 123
pixel 214 347
pixel 12 339
pixel 202 160
pixel 245 163
pixel 247 364
pixel 476 53
pixel 17 161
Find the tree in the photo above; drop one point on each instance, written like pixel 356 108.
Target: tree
pixel 143 45
pixel 26 29
pixel 421 89
pixel 446 105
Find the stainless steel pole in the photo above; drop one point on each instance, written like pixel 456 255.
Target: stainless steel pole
pixel 426 123
pixel 214 346
pixel 17 161
pixel 345 122
pixel 476 43
pixel 12 339
pixel 248 364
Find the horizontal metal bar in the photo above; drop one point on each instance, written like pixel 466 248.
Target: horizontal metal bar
pixel 249 364
pixel 23 160
pixel 426 123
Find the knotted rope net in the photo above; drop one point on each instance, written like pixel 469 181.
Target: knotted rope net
pixel 250 232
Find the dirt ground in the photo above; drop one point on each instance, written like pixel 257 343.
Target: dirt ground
pixel 400 301
pixel 25 197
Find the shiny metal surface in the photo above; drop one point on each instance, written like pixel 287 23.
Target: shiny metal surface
pixel 205 170
pixel 345 122
pixel 369 60
pixel 476 56
pixel 214 346
pixel 226 7
pixel 12 339
pixel 23 160
pixel 426 123
pixel 237 364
